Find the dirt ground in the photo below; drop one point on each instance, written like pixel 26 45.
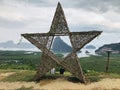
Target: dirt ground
pixel 61 84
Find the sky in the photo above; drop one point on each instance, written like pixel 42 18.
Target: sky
pixel 35 16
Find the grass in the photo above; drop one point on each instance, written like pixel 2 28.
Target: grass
pixel 93 67
pixel 8 70
pixel 94 76
pixel 98 63
pixel 30 61
pixel 28 75
pixel 20 75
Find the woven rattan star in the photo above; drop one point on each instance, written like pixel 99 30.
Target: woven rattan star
pixel 44 41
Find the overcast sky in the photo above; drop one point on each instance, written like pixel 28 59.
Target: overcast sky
pixel 33 16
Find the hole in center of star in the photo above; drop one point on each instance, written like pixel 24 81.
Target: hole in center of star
pixel 61 46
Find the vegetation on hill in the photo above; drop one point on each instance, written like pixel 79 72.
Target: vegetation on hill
pixel 25 67
pixel 98 63
pixel 22 61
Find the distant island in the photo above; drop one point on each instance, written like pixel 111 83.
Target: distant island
pixel 115 47
pixel 90 47
pixel 11 44
pixel 60 46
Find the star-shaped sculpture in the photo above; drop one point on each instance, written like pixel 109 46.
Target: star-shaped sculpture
pixel 44 41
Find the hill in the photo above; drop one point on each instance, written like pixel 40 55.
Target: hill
pixel 90 47
pixel 60 46
pixel 11 44
pixel 115 47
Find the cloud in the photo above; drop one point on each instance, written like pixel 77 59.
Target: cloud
pixel 4 23
pixel 33 16
pixel 39 3
pixel 86 20
pixel 19 15
pixel 90 5
pixel 99 6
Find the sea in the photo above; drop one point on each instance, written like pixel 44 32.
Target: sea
pixel 83 52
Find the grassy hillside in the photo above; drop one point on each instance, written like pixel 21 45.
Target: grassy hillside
pixel 23 80
pixel 24 60
pixel 28 61
pixel 25 67
pixel 98 63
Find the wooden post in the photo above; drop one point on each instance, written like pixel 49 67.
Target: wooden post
pixel 108 60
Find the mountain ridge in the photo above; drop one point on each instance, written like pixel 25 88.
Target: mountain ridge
pixel 115 47
pixel 11 44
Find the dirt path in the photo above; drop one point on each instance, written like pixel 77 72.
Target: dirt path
pixel 62 84
pixel 101 85
pixel 16 85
